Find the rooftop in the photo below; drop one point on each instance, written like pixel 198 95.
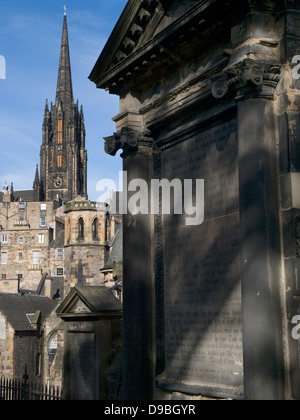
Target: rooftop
pixel 19 309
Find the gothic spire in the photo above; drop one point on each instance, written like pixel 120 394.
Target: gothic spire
pixel 63 158
pixel 46 113
pixel 64 91
pixel 37 177
pixel 36 185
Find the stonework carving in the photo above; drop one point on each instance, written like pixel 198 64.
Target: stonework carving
pixel 143 17
pixel 248 77
pixel 128 140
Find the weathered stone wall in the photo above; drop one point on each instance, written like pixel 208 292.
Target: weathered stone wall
pixel 53 365
pixel 89 230
pixel 27 228
pixel 6 348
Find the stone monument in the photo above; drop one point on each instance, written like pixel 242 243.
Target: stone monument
pixel 92 318
pixel 209 91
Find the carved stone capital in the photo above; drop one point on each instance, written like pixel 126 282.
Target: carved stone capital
pixel 248 78
pixel 129 141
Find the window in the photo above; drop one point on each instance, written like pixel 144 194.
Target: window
pixel 52 349
pixel 95 229
pixel 59 161
pixel 22 206
pixel 60 254
pixel 43 207
pixel 36 258
pixel 59 131
pixel 41 239
pixel 21 241
pixel 20 257
pixel 59 272
pixel 80 227
pixel 3 276
pixel 4 238
pixel 4 258
pixel 43 221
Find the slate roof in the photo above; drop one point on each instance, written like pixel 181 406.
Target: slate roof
pixel 59 242
pixel 16 309
pixel 26 196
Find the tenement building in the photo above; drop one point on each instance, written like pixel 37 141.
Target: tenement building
pixel 52 239
pixel 27 229
pixel 32 221
pixel 209 90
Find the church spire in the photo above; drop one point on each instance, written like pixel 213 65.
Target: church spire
pixel 64 90
pixel 63 167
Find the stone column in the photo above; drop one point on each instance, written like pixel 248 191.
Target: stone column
pixel 138 306
pixel 260 250
pixel 253 85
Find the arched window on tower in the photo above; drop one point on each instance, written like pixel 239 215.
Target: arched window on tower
pixel 106 229
pixel 68 231
pixel 59 161
pixel 96 229
pixel 59 131
pixel 80 228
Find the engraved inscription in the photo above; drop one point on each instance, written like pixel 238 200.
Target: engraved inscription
pixel 82 354
pixel 211 156
pixel 203 315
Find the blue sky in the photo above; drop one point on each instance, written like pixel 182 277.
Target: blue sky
pixel 30 37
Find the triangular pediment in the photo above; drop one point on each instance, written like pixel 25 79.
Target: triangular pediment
pixel 89 300
pixel 136 26
pixel 138 39
pixel 80 307
pixel 74 304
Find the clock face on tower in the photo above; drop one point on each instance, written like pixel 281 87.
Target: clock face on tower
pixel 58 182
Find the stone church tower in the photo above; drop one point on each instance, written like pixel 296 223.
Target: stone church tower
pixel 63 164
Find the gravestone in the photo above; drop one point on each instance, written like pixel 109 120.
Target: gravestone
pixel 81 357
pixel 92 318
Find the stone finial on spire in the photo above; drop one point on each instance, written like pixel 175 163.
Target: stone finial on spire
pixel 46 113
pixel 65 10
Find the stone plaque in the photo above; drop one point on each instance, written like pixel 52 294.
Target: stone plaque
pixel 81 366
pixel 203 311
